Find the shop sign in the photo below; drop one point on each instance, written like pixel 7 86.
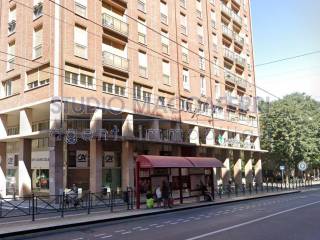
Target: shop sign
pixel 82 158
pixel 40 160
pixel 109 159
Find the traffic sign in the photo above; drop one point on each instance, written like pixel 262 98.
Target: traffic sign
pixel 302 166
pixel 282 168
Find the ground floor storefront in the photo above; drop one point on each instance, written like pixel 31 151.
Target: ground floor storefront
pixel 98 165
pixel 45 151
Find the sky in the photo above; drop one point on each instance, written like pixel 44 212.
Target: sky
pixel 285 28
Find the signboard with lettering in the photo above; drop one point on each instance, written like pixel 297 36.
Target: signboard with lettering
pixel 40 160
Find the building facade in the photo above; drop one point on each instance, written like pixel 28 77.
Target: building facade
pixel 87 86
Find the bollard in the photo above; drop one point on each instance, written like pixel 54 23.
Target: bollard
pixel 89 202
pixel 63 201
pixel 111 198
pixel 33 217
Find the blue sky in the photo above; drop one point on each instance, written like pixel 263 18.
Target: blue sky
pixel 284 28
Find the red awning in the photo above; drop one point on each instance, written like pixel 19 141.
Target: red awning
pixel 203 162
pixel 149 161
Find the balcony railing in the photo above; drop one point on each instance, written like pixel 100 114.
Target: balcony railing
pixel 232 100
pixel 227 11
pixel 115 24
pixel 243 105
pixel 229 54
pixel 241 82
pixel 226 31
pixel 240 60
pixel 238 39
pixel 236 18
pixel 230 77
pixel 115 61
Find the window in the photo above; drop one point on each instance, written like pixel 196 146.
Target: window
pixel 81 7
pixel 162 101
pixel 142 5
pixel 203 108
pixel 80 77
pixel 216 70
pixel 11 56
pixel 164 12
pixel 80 42
pixel 186 80
pixel 37 43
pixel 115 86
pixel 217 90
pixel 38 77
pixel 215 42
pixel 183 3
pixel 12 21
pixel 183 22
pixel 142 31
pixel 213 19
pixel 199 8
pixel 200 33
pixel 165 41
pixel 185 52
pixel 185 105
pixel 142 93
pixel 143 64
pixel 37 8
pixel 7 85
pixel 202 63
pixel 166 72
pixel 203 86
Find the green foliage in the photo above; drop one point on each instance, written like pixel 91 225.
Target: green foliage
pixel 290 130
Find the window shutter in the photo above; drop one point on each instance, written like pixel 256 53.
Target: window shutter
pixel 80 36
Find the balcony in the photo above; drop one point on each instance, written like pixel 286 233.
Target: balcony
pixel 115 61
pixel 239 40
pixel 232 100
pixel 240 61
pixel 227 32
pixel 244 106
pixel 115 24
pixel 230 77
pixel 226 11
pixel 229 55
pixel 236 18
pixel 241 82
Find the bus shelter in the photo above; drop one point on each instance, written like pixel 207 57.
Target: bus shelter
pixel 174 162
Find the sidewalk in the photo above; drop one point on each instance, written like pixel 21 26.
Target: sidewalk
pixel 51 223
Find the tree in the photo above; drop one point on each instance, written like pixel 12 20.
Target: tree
pixel 290 130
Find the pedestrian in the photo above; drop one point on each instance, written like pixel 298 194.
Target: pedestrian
pixel 165 194
pixel 158 196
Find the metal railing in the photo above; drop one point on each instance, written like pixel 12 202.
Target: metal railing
pixel 115 61
pixel 115 24
pixel 62 204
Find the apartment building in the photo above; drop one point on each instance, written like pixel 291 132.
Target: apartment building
pixel 87 86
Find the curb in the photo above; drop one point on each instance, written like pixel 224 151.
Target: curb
pixel 50 228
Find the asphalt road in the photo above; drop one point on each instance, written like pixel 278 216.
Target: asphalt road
pixel 289 217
